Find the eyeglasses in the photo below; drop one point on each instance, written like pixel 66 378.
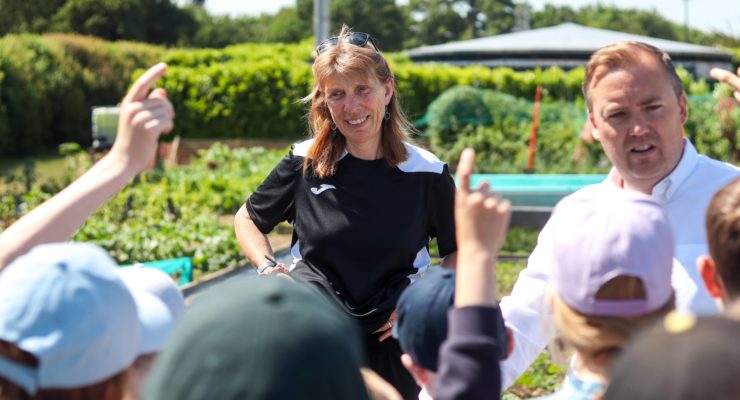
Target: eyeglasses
pixel 358 39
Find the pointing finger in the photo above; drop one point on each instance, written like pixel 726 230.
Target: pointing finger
pixel 158 102
pixel 158 93
pixel 139 89
pixel 726 77
pixel 484 188
pixel 465 169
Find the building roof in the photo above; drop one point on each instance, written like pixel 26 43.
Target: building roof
pixel 568 38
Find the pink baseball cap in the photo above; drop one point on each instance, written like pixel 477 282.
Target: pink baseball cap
pixel 599 235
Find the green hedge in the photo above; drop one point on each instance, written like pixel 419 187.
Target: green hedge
pixel 714 124
pixel 239 100
pixel 244 53
pixel 253 91
pixel 261 99
pixel 48 84
pixel 419 85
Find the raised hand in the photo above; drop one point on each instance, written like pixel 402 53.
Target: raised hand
pixel 469 359
pixel 481 216
pixel 729 78
pixel 143 117
pixel 481 220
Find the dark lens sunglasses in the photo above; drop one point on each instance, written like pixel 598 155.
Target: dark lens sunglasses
pixel 358 39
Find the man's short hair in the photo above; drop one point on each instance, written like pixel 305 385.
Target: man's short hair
pixel 723 235
pixel 622 54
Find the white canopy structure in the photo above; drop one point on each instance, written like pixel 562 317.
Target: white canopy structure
pixel 567 45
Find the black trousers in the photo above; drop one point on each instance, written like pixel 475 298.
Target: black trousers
pixel 382 357
pixel 385 359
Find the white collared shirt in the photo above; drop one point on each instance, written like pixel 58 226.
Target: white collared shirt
pixel 685 194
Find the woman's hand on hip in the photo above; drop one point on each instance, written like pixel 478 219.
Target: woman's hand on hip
pixel 280 268
pixel 387 328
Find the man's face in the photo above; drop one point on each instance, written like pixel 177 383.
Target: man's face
pixel 639 119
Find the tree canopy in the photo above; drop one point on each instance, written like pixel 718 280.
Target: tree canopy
pixel 417 23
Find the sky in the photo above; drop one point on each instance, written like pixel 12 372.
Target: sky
pixel 707 15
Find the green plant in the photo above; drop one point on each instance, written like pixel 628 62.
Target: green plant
pixel 541 378
pixel 498 126
pixel 713 125
pixel 176 212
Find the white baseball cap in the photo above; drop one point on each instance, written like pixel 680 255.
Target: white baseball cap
pixel 66 305
pixel 158 283
pixel 599 235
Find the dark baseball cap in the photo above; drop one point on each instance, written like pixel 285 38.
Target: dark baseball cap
pixel 422 316
pixel 681 358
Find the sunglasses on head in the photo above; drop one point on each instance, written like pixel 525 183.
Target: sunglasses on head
pixel 358 39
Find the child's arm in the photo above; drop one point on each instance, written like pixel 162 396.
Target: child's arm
pixel 469 358
pixel 143 117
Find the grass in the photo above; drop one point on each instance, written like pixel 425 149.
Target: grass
pixel 506 274
pixel 47 167
pixel 544 375
pixel 542 378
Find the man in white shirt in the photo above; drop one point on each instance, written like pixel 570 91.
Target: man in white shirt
pixel 638 107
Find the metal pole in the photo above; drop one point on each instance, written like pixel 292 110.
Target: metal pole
pixel 321 14
pixel 685 20
pixel 533 138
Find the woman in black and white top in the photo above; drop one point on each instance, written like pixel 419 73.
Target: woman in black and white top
pixel 363 202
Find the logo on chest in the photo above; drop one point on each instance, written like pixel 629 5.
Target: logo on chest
pixel 321 189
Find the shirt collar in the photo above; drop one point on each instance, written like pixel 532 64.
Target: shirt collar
pixel 666 187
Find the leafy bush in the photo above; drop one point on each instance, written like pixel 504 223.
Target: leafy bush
pixel 454 109
pixel 714 124
pixel 49 83
pixel 498 126
pixel 35 73
pixel 164 213
pixel 176 212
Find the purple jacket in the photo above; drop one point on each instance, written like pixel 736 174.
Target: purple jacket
pixel 469 358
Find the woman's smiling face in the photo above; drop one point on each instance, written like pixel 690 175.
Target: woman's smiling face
pixel 357 106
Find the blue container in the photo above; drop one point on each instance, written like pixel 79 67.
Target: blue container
pixel 525 190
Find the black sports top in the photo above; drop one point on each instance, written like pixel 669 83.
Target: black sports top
pixel 366 227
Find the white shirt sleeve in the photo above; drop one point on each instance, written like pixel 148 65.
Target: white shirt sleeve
pixel 526 311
